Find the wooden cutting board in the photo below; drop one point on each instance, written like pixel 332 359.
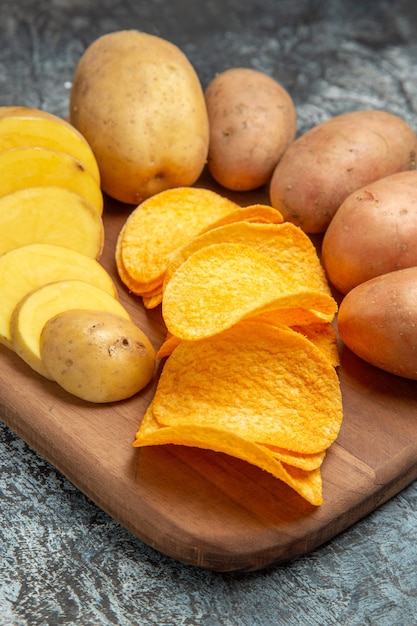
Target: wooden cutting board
pixel 201 507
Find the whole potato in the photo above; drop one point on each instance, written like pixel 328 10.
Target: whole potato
pixel 335 158
pixel 97 356
pixel 138 101
pixel 373 232
pixel 252 122
pixel 377 320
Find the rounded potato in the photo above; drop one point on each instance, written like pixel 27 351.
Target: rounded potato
pixel 96 355
pixel 332 160
pixel 138 101
pixel 373 232
pixel 377 320
pixel 252 122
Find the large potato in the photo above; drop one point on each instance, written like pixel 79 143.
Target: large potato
pixel 252 122
pixel 139 103
pixel 377 320
pixel 373 232
pixel 96 355
pixel 332 160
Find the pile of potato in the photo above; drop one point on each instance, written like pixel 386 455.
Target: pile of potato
pixel 59 308
pixel 137 102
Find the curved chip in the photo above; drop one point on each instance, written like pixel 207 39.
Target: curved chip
pixel 307 484
pixel 221 284
pixel 162 223
pixel 284 242
pixel 265 384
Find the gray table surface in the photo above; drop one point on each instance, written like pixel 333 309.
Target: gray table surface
pixel 64 561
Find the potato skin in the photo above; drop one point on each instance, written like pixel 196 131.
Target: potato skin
pixel 138 101
pixel 373 232
pixel 97 356
pixel 252 122
pixel 335 158
pixel 377 320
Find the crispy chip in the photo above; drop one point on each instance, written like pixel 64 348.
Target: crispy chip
pixel 162 223
pixel 221 284
pixel 324 337
pixel 284 242
pixel 308 484
pixel 265 384
pixel 306 462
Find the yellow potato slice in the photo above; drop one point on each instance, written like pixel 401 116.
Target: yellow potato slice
pixel 53 215
pixel 17 131
pixel 40 305
pixel 38 167
pixel 29 267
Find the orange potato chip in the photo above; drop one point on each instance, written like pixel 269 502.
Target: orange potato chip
pixel 257 213
pixel 167 346
pixel 162 223
pixel 223 283
pixel 306 462
pixel 308 484
pixel 324 337
pixel 283 242
pixel 306 322
pixel 265 384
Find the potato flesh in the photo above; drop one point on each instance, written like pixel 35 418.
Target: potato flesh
pixel 23 131
pixel 54 215
pixel 34 167
pixel 97 356
pixel 29 267
pixel 34 310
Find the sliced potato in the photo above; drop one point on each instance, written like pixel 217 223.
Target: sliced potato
pixel 28 267
pixel 97 356
pixel 38 167
pixel 54 215
pixel 17 131
pixel 37 307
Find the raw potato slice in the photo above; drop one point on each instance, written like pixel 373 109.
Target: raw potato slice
pixel 53 215
pixel 39 167
pixel 17 131
pixel 39 306
pixel 28 267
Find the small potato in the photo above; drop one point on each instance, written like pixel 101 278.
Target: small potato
pixel 373 232
pixel 97 356
pixel 377 320
pixel 138 101
pixel 332 160
pixel 252 122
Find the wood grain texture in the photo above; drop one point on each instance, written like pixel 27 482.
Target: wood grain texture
pixel 206 508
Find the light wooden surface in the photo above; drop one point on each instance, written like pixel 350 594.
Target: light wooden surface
pixel 204 508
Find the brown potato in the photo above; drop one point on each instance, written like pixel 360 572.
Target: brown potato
pixel 332 160
pixel 377 320
pixel 373 232
pixel 252 122
pixel 138 101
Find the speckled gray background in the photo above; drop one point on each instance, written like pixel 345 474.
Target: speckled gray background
pixel 62 560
